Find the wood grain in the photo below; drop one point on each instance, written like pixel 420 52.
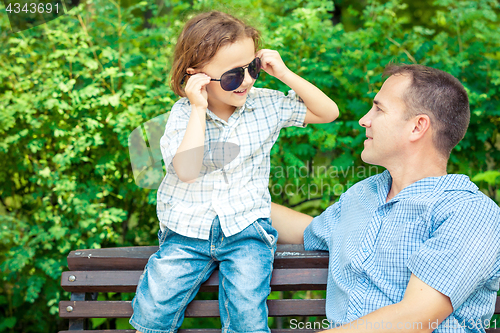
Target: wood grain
pixel 201 308
pixel 126 281
pixel 135 258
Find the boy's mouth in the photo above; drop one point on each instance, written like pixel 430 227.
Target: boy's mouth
pixel 240 92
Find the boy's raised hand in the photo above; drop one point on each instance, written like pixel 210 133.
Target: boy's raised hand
pixel 196 90
pixel 272 63
pixel 320 107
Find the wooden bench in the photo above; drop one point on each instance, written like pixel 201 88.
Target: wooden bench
pixel 118 270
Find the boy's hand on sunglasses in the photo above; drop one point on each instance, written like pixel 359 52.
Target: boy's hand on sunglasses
pixel 272 63
pixel 196 90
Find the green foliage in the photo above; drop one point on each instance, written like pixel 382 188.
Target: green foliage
pixel 74 89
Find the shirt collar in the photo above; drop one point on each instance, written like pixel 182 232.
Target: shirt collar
pixel 250 101
pixel 248 106
pixel 450 182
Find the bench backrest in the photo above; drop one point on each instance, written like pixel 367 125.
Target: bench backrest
pixel 119 269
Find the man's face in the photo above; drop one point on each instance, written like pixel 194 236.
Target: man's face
pixel 387 130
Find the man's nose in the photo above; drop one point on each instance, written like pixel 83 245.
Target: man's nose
pixel 365 121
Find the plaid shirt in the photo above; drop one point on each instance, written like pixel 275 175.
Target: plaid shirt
pixel 189 208
pixel 441 229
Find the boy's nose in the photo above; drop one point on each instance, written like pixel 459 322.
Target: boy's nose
pixel 248 79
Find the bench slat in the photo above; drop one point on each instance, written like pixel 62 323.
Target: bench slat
pixel 135 258
pixel 201 330
pixel 123 309
pixel 204 330
pixel 126 281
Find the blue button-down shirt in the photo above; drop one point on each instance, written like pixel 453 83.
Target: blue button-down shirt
pixel 441 229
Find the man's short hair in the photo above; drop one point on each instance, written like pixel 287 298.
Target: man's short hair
pixel 440 96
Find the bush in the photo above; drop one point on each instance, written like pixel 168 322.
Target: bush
pixel 74 89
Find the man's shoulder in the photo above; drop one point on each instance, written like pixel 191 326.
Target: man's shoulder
pixel 460 190
pixel 456 196
pixel 465 201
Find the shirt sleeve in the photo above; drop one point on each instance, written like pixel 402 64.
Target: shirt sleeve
pixel 174 131
pixel 318 233
pixel 462 253
pixel 292 110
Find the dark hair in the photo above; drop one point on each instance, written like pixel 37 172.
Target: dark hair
pixel 440 96
pixel 201 38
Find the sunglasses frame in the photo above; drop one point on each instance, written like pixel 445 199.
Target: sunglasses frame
pixel 231 71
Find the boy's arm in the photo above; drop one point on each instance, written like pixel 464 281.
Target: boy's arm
pixel 289 223
pixel 320 108
pixel 189 156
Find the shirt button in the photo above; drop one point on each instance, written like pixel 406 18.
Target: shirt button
pixel 365 249
pixel 381 212
pixel 362 280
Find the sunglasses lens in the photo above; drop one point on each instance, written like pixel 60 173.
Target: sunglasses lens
pixel 232 79
pixel 254 68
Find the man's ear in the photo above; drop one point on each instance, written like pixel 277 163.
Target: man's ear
pixel 421 125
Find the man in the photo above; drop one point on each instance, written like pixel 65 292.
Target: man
pixel 413 248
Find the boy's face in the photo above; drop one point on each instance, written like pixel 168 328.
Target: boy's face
pixel 237 54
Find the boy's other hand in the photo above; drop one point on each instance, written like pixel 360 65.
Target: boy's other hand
pixel 272 63
pixel 196 90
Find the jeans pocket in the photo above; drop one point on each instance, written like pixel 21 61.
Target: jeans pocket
pixel 270 237
pixel 162 235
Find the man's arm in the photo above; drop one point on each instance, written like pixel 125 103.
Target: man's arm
pixel 419 310
pixel 289 223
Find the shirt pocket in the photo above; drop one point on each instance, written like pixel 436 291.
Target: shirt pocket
pixel 399 241
pixel 410 236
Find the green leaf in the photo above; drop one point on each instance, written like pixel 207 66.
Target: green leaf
pixel 491 177
pixel 8 322
pixel 123 324
pixel 96 322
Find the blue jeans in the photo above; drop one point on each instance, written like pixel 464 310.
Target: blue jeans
pixel 174 273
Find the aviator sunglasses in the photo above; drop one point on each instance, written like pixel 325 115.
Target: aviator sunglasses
pixel 233 78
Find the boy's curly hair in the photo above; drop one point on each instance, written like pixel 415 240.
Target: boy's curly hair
pixel 201 38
